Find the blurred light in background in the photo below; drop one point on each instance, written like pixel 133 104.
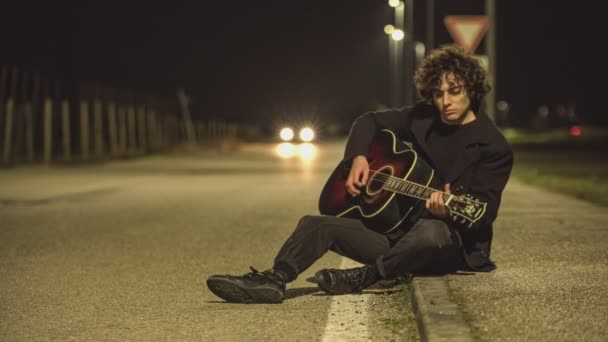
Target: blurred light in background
pixel 286 134
pixel 420 50
pixel 389 29
pixel 543 111
pixel 307 134
pixel 503 106
pixel 393 3
pixel 575 130
pixel 397 35
pixel 307 151
pixel 286 150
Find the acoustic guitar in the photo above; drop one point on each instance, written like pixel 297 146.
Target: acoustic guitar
pixel 399 181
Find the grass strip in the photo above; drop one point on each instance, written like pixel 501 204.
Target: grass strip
pixel 592 189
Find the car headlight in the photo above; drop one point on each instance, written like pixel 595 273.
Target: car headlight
pixel 307 134
pixel 286 134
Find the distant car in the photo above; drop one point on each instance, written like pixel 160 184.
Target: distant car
pixel 305 134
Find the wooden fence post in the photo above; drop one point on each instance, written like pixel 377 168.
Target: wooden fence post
pixel 132 149
pixel 98 128
pixel 8 130
pixel 65 131
pixel 152 130
pixel 29 131
pixel 141 128
pixel 200 132
pixel 84 130
pixel 112 136
pixel 122 129
pixel 48 130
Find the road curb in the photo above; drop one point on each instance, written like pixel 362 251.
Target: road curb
pixel 437 315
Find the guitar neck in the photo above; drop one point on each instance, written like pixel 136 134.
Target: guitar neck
pixel 411 189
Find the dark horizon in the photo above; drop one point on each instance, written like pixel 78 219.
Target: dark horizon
pixel 312 60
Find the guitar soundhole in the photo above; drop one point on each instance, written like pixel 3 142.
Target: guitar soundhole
pixel 377 180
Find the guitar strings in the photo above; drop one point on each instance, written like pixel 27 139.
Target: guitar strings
pixel 385 177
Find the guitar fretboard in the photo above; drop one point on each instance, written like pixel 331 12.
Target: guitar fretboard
pixel 406 187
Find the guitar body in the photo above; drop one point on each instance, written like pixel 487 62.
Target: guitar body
pixel 380 210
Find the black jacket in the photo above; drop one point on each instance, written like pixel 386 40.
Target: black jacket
pixel 482 172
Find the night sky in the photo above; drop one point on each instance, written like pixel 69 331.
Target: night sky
pixel 258 61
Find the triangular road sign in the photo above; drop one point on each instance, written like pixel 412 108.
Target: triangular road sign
pixel 467 30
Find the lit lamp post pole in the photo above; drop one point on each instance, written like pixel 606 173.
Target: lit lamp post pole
pixel 402 58
pixel 395 75
pixel 395 55
pixel 409 56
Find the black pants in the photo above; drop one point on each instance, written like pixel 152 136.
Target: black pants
pixel 430 246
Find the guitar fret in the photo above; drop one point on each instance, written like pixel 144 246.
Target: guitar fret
pixel 390 184
pixel 393 184
pixel 412 189
pixel 426 193
pixel 419 191
pixel 408 187
pixel 387 184
pixel 397 185
pixel 445 197
pixel 415 190
pixel 402 186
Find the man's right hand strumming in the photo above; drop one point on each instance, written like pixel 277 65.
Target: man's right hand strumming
pixel 357 176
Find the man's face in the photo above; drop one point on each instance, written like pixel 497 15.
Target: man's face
pixel 452 101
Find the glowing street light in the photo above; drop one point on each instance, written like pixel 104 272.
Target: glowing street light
pixel 398 35
pixel 393 3
pixel 389 29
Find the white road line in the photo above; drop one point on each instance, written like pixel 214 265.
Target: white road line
pixel 347 318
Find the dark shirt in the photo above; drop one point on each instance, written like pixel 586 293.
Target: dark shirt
pixel 447 144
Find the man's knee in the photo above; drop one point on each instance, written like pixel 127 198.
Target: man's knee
pixel 312 222
pixel 433 234
pixel 327 224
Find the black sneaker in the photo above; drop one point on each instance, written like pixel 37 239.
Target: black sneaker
pixel 253 287
pixel 354 280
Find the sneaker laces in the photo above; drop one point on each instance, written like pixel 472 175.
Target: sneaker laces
pixel 269 274
pixel 355 276
pixel 253 272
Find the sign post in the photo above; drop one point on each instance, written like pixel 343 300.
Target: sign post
pixel 467 30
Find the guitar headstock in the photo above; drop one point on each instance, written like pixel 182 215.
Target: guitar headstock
pixel 466 209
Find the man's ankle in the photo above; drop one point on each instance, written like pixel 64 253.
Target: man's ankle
pixel 285 271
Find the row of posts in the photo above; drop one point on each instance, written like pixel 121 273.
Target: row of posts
pixel 102 131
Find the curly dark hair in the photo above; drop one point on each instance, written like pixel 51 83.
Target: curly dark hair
pixel 452 59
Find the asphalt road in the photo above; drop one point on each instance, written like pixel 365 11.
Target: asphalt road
pixel 120 251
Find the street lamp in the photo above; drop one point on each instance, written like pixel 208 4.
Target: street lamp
pixel 402 67
pixel 395 54
pixel 397 35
